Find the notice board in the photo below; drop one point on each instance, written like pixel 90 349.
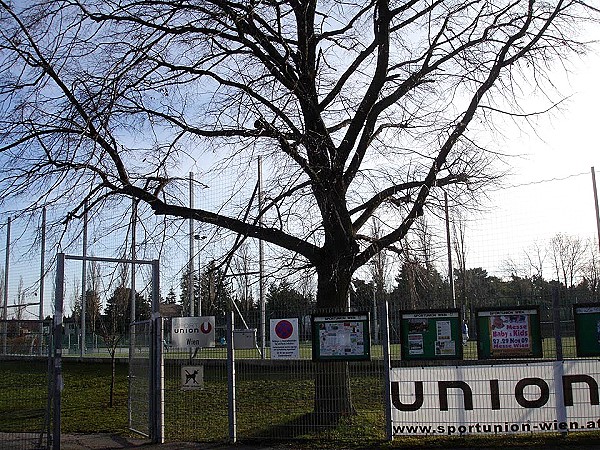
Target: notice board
pixel 341 337
pixel 431 334
pixel 509 332
pixel 587 328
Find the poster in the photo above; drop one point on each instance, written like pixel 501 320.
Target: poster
pixel 431 334
pixel 587 328
pixel 509 333
pixel 415 344
pixel 341 337
pixel 285 343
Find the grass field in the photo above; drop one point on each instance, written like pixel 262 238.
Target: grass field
pixel 469 351
pixel 270 405
pixel 23 387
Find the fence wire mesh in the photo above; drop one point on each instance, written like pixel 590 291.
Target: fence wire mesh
pixel 139 377
pixel 25 380
pixel 197 411
pixel 508 261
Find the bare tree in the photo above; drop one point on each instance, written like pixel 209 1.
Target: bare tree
pixel 21 302
pixel 92 296
pixel 536 257
pixel 419 282
pixel 380 266
pixel 362 109
pixel 460 250
pixel 567 253
pixel 244 268
pixel 75 300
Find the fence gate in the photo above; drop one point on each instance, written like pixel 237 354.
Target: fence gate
pixel 139 377
pixel 145 404
pixel 145 356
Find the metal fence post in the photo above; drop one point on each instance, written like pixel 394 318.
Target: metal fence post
pixel 561 412
pixel 57 333
pixel 387 366
pixel 556 319
pixel 231 412
pixel 5 297
pixel 156 363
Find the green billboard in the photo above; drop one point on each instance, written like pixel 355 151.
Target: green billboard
pixel 509 332
pixel 341 337
pixel 431 334
pixel 587 328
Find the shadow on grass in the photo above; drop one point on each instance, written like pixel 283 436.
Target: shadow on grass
pixel 304 426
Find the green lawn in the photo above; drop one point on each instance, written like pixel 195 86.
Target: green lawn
pixel 272 403
pixel 23 389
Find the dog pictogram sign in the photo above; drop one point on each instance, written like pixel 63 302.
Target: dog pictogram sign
pixel 192 377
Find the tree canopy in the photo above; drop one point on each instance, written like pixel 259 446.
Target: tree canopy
pixel 361 109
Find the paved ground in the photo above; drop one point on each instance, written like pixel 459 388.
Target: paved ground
pixel 112 442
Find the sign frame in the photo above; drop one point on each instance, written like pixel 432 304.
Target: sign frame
pixel 193 332
pixel 426 331
pixel 485 338
pixel 323 325
pixel 584 345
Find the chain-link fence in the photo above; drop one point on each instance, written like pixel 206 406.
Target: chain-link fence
pixel 277 397
pixel 25 384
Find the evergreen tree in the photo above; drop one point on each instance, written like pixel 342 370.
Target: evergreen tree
pixel 283 300
pixel 117 315
pixel 171 297
pixel 216 295
pixel 419 287
pixel 184 298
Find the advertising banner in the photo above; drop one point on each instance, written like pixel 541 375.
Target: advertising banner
pixel 511 332
pixel 193 332
pixel 587 328
pixel 484 399
pixel 431 334
pixel 285 343
pixel 341 337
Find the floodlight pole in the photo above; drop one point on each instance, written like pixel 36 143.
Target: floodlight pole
pixel 157 376
pixel 132 335
pixel 42 264
pixel 449 250
pixel 191 255
pixel 261 263
pixel 83 283
pixel 133 257
pixel 6 267
pixel 42 276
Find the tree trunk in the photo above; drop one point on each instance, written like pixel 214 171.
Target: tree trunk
pixel 333 396
pixel 112 377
